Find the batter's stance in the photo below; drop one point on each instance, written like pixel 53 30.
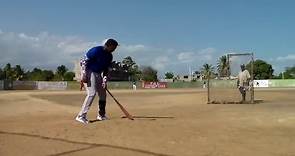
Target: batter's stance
pixel 94 75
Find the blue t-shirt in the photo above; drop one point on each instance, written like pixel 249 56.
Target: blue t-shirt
pixel 98 60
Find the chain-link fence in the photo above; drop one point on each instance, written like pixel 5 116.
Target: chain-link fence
pixel 234 81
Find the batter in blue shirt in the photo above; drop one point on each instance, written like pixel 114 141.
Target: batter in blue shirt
pixel 95 66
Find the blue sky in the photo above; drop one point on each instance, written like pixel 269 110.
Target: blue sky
pixel 170 35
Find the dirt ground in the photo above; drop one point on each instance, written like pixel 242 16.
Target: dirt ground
pixel 170 122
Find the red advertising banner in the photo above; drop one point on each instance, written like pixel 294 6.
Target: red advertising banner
pixel 154 85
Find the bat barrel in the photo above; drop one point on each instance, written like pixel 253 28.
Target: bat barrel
pixel 121 107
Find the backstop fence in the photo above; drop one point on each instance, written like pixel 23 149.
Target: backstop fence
pixel 224 88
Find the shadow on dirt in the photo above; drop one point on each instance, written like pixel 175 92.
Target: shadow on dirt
pixel 142 118
pixel 235 102
pixel 91 145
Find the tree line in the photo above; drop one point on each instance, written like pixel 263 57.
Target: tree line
pixel 261 70
pixel 135 73
pixel 62 73
pixel 16 72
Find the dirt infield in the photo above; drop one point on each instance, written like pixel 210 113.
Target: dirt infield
pixel 169 123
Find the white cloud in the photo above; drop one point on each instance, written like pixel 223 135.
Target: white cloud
pixel 206 54
pixel 25 37
pixel 42 50
pixel 207 51
pixel 75 46
pixel 48 51
pixel 160 62
pixel 186 57
pixel 290 57
pixel 160 59
pixel 133 48
pixel 280 63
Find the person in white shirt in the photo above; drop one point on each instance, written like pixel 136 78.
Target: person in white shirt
pixel 243 82
pixel 134 85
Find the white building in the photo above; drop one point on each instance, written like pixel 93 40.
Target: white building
pixel 189 78
pixel 77 70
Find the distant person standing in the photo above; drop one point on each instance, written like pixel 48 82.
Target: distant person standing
pixel 95 66
pixel 243 82
pixel 134 85
pixel 204 84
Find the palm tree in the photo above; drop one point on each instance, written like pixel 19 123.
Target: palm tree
pixel 207 70
pixel 8 72
pixel 18 72
pixel 223 66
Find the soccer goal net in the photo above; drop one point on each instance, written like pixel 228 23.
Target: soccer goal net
pixel 233 81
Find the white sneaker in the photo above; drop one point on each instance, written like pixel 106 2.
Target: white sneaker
pixel 100 118
pixel 82 120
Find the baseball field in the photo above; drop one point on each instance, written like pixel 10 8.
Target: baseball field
pixel 168 122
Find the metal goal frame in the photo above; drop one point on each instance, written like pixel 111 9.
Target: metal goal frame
pixel 251 91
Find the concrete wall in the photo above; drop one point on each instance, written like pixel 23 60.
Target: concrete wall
pixel 282 83
pixel 50 85
pixel 196 84
pixel 257 83
pixel 31 85
pixel 223 83
pixel 25 85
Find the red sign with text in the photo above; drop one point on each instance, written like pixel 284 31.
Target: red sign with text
pixel 154 85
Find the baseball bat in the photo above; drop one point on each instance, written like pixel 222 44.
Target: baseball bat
pixel 121 107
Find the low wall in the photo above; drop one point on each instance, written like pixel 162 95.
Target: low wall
pixel 282 83
pixel 73 85
pixel 196 84
pixel 31 85
pixel 122 85
pixel 47 85
pixel 272 83
pixel 24 85
pixel 223 83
